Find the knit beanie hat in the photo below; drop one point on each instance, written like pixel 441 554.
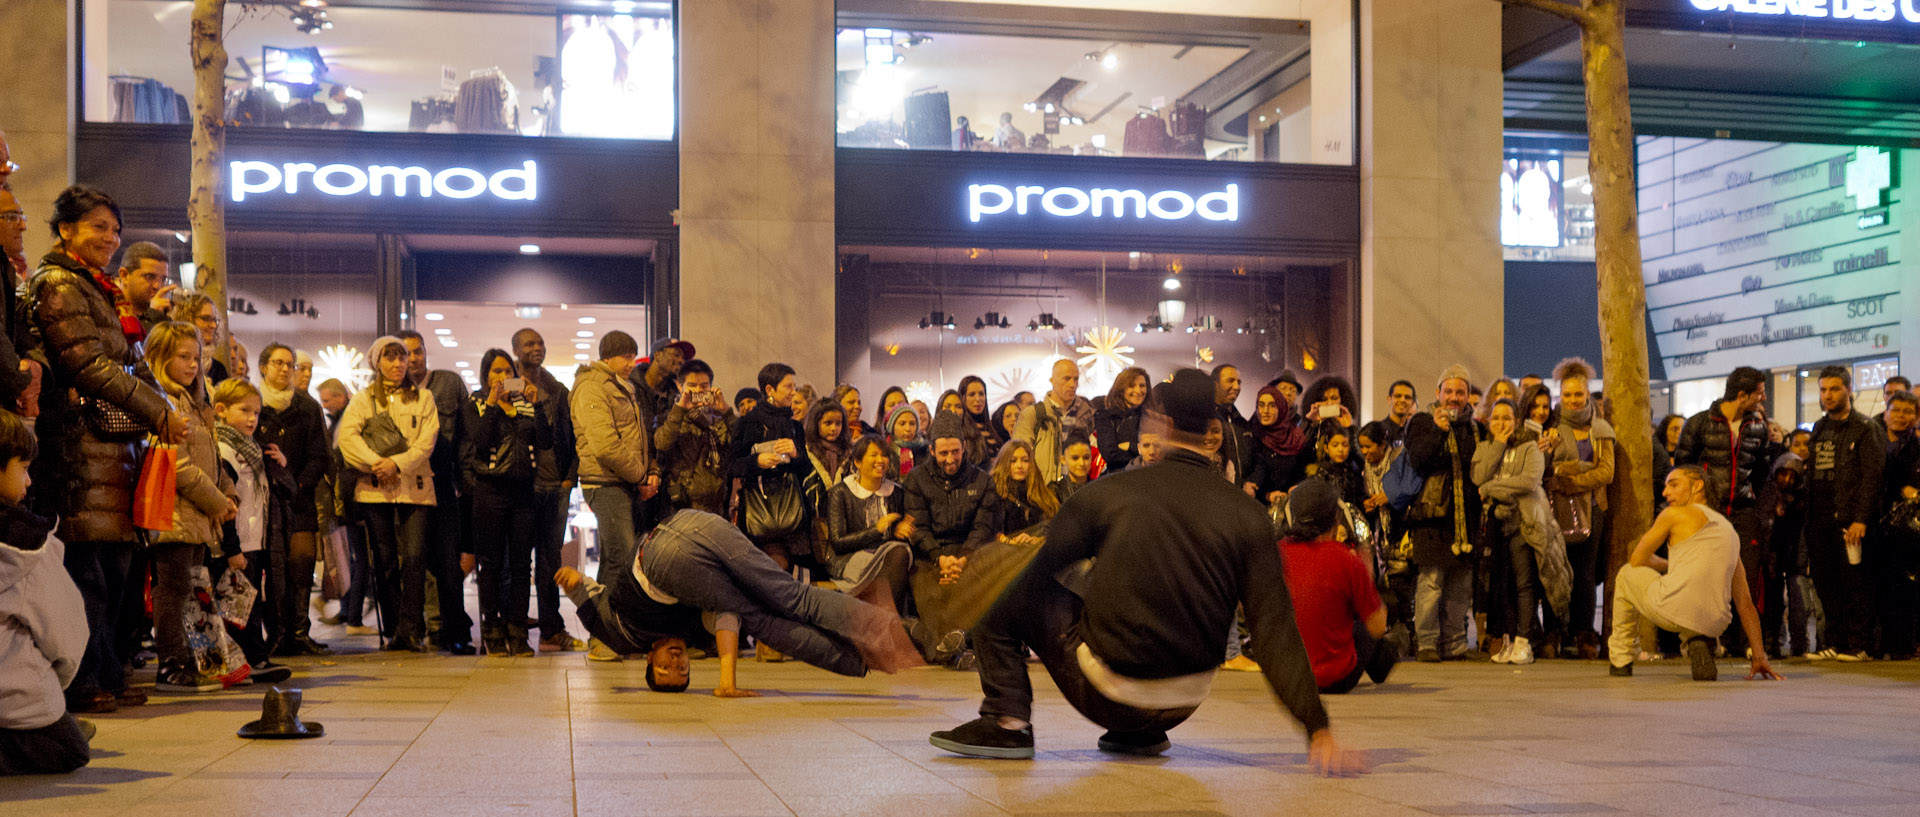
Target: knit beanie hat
pixel 1313 508
pixel 373 352
pixel 1454 372
pixel 947 426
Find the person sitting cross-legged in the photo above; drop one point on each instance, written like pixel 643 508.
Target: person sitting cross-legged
pixel 1688 591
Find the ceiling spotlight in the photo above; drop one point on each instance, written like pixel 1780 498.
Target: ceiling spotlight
pixel 314 4
pixel 992 320
pixel 180 237
pixel 589 319
pixel 583 346
pixel 1110 61
pixel 1152 324
pixel 527 312
pixel 443 331
pixel 529 249
pixel 434 316
pixel 449 343
pixel 461 364
pixel 917 40
pixel 939 320
pixel 584 333
pixel 580 356
pixel 1172 283
pixel 1045 321
pixel 1031 107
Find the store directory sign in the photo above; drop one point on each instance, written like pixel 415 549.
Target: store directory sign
pixel 1767 254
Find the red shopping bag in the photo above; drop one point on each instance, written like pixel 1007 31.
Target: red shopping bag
pixel 155 493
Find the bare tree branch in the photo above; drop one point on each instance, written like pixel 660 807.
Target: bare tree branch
pixel 1554 7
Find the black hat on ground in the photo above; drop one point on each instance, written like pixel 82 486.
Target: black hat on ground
pixel 1187 401
pixel 1313 508
pixel 280 718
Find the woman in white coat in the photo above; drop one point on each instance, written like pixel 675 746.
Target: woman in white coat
pixel 386 438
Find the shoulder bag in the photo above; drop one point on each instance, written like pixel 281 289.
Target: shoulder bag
pixel 774 507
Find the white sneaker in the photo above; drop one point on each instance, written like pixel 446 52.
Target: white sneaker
pixel 1823 655
pixel 1854 657
pixel 1521 652
pixel 1506 653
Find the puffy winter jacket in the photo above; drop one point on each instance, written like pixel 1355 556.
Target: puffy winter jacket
pixel 615 445
pixel 43 625
pixel 301 432
pixel 691 446
pixel 943 507
pixel 71 325
pixel 1735 474
pixel 203 487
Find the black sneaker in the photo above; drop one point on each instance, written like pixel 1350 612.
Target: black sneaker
pixel 1624 671
pixel 267 672
pixel 1142 744
pixel 1700 655
pixel 983 737
pixel 1428 655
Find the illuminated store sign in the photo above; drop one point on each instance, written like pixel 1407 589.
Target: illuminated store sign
pixel 1100 202
pixel 1866 11
pixel 292 178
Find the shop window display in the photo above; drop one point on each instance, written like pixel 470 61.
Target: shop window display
pixel 341 66
pixel 1104 311
pixel 957 91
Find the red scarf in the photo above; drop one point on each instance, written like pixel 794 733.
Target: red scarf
pixel 129 319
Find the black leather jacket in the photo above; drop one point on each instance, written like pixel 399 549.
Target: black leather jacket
pixel 943 507
pixel 1733 481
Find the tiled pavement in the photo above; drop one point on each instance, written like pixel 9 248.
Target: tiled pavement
pixel 440 736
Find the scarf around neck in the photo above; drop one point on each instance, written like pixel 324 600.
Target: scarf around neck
pixel 276 399
pixel 243 446
pixel 1578 419
pixel 123 308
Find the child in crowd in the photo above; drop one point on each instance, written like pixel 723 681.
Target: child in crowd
pixel 43 627
pixel 255 475
pixel 1076 467
pixel 205 501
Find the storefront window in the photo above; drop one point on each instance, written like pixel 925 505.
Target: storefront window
pixel 1546 199
pixel 1222 100
pixel 935 315
pixel 348 67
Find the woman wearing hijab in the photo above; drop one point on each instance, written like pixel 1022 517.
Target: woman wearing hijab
pixel 1279 445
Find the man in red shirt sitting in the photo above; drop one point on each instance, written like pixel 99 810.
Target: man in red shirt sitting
pixel 1339 611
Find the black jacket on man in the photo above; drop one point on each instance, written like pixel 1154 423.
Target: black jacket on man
pixel 1735 475
pixel 1845 471
pixel 1903 467
pixel 1176 549
pixel 1433 538
pixel 301 432
pixel 554 458
pixel 944 507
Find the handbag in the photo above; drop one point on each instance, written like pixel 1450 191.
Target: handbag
pixel 1905 516
pixel 382 435
pixel 109 422
pixel 774 508
pixel 338 576
pixel 157 490
pixel 1432 501
pixel 1574 514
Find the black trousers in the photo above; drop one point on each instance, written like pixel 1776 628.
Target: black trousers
pixel 446 537
pixel 1752 527
pixel 550 535
pixel 503 539
pixel 99 570
pixel 260 634
pixel 1891 560
pixel 1374 658
pixel 1037 612
pixel 1843 588
pixel 56 748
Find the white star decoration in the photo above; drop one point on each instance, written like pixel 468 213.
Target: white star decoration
pixel 1103 356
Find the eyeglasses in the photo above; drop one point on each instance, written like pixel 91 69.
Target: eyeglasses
pixel 275 364
pixel 17 217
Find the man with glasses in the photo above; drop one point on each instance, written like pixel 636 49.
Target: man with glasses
pixel 15 374
pixel 143 277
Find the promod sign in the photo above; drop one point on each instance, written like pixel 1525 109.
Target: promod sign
pixel 254 178
pixel 990 200
pixel 1866 11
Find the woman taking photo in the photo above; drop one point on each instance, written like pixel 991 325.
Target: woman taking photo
pixel 386 438
pixel 95 406
pixel 1117 424
pixel 867 529
pixel 502 425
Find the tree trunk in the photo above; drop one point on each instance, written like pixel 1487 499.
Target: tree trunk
pixel 1623 293
pixel 206 205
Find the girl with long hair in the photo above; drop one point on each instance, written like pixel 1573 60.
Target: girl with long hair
pixel 1116 423
pixel 893 397
pixel 983 442
pixel 1020 504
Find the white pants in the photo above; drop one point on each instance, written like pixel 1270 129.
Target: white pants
pixel 1630 607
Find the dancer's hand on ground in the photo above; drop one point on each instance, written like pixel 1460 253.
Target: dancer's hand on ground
pixel 1330 759
pixel 1763 670
pixel 734 692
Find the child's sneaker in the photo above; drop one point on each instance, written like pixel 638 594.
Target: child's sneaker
pixel 182 679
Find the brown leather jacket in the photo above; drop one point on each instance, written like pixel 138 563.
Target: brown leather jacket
pixel 70 325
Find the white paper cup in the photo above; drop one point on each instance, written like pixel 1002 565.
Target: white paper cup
pixel 1853 553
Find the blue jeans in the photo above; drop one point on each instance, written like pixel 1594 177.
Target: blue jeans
pixel 706 562
pixel 1441 605
pixel 617 511
pixel 353 604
